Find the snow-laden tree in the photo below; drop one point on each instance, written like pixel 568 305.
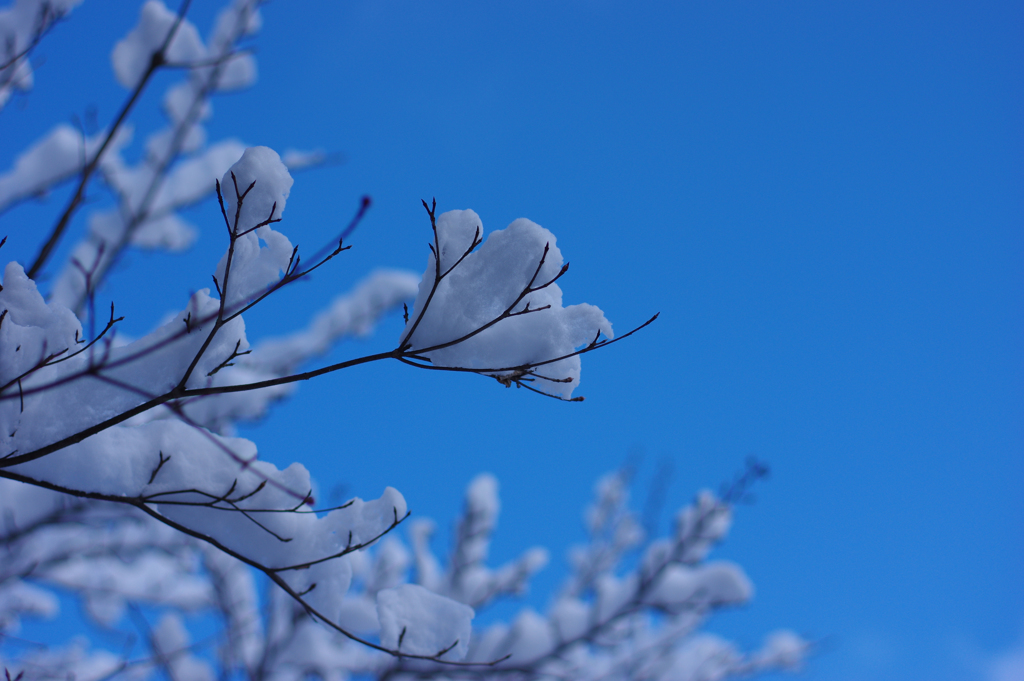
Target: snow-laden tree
pixel 121 479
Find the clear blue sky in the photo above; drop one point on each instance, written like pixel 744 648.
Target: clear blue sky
pixel 824 200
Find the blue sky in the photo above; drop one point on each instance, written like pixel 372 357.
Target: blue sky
pixel 824 201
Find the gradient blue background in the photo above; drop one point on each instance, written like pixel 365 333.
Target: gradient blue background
pixel 825 202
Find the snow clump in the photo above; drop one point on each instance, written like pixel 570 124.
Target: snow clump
pixel 512 271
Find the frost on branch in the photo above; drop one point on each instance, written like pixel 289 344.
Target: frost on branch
pixel 499 307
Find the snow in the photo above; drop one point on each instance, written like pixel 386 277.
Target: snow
pixel 708 656
pixel 350 314
pixel 111 583
pixel 262 168
pixel 184 461
pixel 390 567
pixel 163 458
pixel 124 459
pixel 234 588
pixel 194 178
pixel 255 190
pixel 482 499
pixel 54 158
pixel 188 182
pixel 706 523
pixel 358 614
pixel 480 518
pixel 718 583
pixel 469 580
pixel 428 568
pixel 237 73
pixel 488 284
pixel 55 663
pixel 168 232
pixel 323 585
pixel 131 55
pixel 570 618
pixel 425 622
pixel 457 234
pixel 21 599
pixel 31 330
pixel 178 168
pixel 239 18
pixel 299 160
pixel 609 633
pixel 196 462
pixel 531 637
pixel 171 640
pixel 179 100
pixel 784 649
pixel 161 145
pixel 180 467
pixel 613 594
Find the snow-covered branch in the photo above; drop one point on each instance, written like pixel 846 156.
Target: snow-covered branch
pixel 639 622
pixel 123 482
pixel 131 404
